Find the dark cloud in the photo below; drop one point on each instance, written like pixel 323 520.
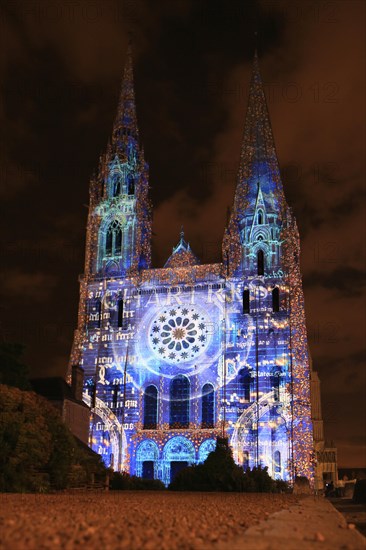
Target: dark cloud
pixel 27 286
pixel 352 360
pixel 349 203
pixel 348 281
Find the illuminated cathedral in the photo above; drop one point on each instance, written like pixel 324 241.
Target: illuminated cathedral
pixel 174 357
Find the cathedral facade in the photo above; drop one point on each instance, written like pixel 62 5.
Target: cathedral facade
pixel 174 357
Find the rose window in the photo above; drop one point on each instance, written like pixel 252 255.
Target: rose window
pixel 179 334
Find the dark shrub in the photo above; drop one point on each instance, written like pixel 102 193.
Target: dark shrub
pixel 282 486
pixel 220 473
pixel 121 482
pixel 141 484
pixel 259 481
pixel 124 482
pixel 38 451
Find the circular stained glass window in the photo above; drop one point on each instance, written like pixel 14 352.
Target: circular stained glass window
pixel 179 334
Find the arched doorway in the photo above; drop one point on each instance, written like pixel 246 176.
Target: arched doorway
pixel 177 454
pixel 147 456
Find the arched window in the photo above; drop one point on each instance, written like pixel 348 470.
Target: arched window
pixel 277 461
pixel 260 217
pixel 120 312
pixel 118 241
pixel 260 262
pixel 116 185
pixel 208 406
pixel 276 299
pixel 109 242
pixel 244 384
pixel 150 408
pixel 113 242
pixel 179 402
pixel 130 185
pixel 246 301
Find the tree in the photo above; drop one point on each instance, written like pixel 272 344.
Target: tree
pixel 37 448
pixel 25 440
pixel 13 372
pixel 219 472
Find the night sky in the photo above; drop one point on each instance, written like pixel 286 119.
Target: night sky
pixel 61 65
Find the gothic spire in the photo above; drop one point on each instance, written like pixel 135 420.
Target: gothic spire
pixel 259 180
pixel 125 123
pixel 258 159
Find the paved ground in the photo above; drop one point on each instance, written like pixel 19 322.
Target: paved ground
pixel 311 524
pixel 354 513
pixel 131 520
pixel 172 521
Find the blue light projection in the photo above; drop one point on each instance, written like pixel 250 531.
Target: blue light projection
pixel 174 357
pixel 240 371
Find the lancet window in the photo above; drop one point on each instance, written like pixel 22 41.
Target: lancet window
pixel 208 406
pixel 179 402
pixel 150 408
pixel 260 262
pixel 113 241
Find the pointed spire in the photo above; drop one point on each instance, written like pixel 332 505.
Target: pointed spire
pixel 182 234
pixel 259 176
pixel 125 123
pixel 258 159
pixel 259 200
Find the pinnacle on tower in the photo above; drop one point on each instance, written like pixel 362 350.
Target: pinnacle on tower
pixel 182 255
pixel 125 124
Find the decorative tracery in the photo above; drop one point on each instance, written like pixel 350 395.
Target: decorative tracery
pixel 179 334
pixel 113 239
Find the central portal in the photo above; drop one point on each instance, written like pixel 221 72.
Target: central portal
pixel 178 453
pixel 175 467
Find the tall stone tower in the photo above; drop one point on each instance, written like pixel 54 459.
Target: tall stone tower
pixel 174 357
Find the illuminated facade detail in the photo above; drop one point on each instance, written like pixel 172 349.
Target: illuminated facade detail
pixel 182 255
pixel 205 449
pixel 175 356
pixel 179 334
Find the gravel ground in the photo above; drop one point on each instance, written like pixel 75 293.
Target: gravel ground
pixel 354 513
pixel 131 520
